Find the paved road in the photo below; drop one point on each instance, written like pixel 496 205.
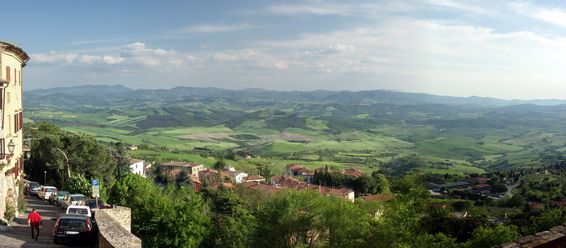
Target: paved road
pixel 511 187
pixel 19 234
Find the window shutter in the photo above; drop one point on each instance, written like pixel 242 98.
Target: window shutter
pixel 8 78
pixel 2 153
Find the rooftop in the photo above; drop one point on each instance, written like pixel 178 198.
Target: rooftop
pixel 179 164
pixel 16 49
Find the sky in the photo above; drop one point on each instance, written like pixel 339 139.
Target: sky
pixel 504 49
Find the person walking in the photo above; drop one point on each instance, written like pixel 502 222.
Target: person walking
pixel 34 221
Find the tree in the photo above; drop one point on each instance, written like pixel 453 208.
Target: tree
pixel 171 218
pixel 183 179
pixel 52 146
pixel 381 183
pixel 306 218
pixel 122 162
pixel 233 224
pixel 493 236
pixel 364 184
pixel 219 165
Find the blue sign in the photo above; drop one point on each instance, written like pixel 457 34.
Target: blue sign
pixel 94 182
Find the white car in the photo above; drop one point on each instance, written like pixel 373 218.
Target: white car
pixel 74 199
pixel 46 192
pixel 80 210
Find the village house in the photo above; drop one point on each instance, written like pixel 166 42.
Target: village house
pixel 137 167
pixel 214 179
pixel 236 176
pixel 291 183
pixel 298 170
pixel 12 61
pixel 197 185
pixel 254 178
pixel 353 172
pixel 191 168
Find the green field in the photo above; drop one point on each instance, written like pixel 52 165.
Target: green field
pixel 366 132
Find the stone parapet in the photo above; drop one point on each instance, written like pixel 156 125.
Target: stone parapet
pixel 114 228
pixel 553 238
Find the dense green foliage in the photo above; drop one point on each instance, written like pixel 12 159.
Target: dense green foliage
pixel 174 217
pixel 375 183
pixel 52 146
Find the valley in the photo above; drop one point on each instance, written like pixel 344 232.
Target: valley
pixel 365 130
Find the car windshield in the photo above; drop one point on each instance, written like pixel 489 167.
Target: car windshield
pixel 81 211
pixel 77 198
pixel 62 194
pixel 50 190
pixel 72 224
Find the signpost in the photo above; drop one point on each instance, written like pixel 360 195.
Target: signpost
pixel 95 190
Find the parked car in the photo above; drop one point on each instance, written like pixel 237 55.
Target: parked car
pixel 59 195
pixel 46 192
pixel 33 188
pixel 73 199
pixel 74 229
pixel 91 203
pixel 79 210
pixel 28 185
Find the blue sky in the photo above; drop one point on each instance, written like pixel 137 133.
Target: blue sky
pixel 505 49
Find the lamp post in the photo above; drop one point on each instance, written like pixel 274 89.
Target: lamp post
pixel 11 147
pixel 44 177
pixel 66 162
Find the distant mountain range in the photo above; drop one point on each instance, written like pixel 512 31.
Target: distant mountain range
pixel 109 93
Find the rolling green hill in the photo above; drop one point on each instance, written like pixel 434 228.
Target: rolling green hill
pixel 366 129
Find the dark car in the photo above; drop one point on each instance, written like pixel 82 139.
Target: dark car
pixel 77 229
pixel 91 203
pixel 32 188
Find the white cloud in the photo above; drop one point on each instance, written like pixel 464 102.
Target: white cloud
pixel 215 28
pixel 54 57
pixel 556 16
pixel 249 56
pixel 333 49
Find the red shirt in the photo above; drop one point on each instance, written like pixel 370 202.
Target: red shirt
pixel 34 218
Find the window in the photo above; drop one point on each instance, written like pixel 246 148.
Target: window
pixel 2 147
pixel 18 122
pixel 8 78
pixel 15 77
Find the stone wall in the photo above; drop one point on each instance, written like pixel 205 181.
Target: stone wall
pixel 114 228
pixel 553 238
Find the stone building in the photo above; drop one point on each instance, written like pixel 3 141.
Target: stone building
pixel 12 61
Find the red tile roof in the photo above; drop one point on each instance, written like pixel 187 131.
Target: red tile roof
pixel 179 164
pixel 353 172
pixel 378 197
pixel 133 160
pixel 254 177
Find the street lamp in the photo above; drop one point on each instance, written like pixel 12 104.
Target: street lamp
pixel 66 160
pixel 11 147
pixel 44 177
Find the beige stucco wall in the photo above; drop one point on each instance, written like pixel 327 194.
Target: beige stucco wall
pixel 12 105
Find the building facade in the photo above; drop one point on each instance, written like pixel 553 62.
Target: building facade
pixel 137 167
pixel 12 61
